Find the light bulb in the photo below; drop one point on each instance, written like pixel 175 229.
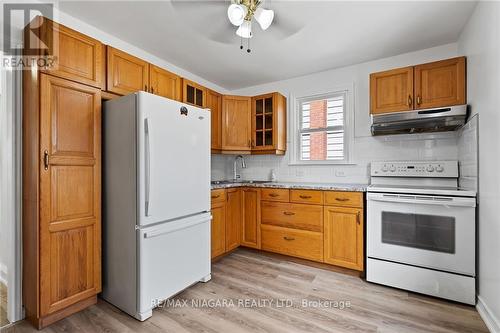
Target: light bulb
pixel 236 14
pixel 245 29
pixel 264 17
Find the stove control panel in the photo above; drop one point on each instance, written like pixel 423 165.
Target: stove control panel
pixel 437 169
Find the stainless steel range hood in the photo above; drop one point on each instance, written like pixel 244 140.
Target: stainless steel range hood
pixel 419 121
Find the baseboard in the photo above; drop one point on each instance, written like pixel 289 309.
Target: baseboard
pixel 488 317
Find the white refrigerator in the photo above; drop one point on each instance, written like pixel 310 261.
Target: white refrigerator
pixel 156 200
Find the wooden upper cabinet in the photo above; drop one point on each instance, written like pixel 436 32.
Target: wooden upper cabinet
pixel 78 57
pixel 193 93
pixel 343 237
pixel 391 91
pixel 250 235
pixel 236 123
pixel 269 124
pixel 70 193
pixel 440 83
pixel 164 83
pixel 125 73
pixel 214 103
pixel 432 85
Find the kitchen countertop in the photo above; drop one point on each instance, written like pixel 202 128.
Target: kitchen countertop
pixel 294 185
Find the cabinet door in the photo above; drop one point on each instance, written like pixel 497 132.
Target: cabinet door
pixel 78 57
pixel 233 219
pixel 263 122
pixel 214 103
pixel 125 73
pixel 193 93
pixel 70 193
pixel 251 218
pixel 218 229
pixel 343 237
pixel 440 83
pixel 164 83
pixel 391 91
pixel 236 123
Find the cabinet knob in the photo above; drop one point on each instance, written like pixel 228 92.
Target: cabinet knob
pixel 358 220
pixel 410 101
pixel 46 159
pixel 288 238
pixel 342 199
pixel 273 195
pixel 419 100
pixel 215 196
pixel 289 213
pixel 305 196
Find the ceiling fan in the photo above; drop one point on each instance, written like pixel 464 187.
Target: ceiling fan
pixel 241 13
pixel 207 16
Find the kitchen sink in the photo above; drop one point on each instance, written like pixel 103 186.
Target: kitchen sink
pixel 222 182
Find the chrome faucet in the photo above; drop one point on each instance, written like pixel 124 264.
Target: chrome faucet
pixel 237 176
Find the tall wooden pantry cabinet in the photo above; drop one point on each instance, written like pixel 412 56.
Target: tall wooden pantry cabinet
pixel 62 176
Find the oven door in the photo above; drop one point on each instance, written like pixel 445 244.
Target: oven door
pixel 426 231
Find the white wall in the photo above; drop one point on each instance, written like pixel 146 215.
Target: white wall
pixel 480 42
pixel 365 148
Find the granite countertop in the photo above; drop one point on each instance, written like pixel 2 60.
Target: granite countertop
pixel 293 185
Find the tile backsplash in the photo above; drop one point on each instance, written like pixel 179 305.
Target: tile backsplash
pixel 468 154
pixel 437 146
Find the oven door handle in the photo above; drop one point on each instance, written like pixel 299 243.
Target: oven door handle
pixel 422 199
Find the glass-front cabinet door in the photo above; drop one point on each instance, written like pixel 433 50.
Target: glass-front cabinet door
pixel 193 93
pixel 263 122
pixel 269 124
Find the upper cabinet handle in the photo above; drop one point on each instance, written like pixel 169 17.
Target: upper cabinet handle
pixel 145 87
pixel 358 220
pixel 152 90
pixel 419 100
pixel 410 100
pixel 46 159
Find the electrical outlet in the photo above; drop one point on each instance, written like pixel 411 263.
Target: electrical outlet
pixel 299 173
pixel 339 173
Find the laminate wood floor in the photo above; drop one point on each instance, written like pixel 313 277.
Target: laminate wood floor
pixel 257 278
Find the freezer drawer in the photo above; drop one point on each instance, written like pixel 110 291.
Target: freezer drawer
pixel 172 256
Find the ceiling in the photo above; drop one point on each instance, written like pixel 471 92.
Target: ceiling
pixel 306 37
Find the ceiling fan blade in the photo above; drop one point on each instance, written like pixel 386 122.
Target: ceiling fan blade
pixel 213 23
pixel 285 27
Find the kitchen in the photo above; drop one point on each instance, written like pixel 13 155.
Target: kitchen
pixel 353 176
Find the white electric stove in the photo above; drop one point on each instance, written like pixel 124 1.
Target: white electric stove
pixel 421 229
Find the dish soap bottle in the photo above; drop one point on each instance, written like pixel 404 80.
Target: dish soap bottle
pixel 273 175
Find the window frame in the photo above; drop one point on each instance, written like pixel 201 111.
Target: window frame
pixel 296 123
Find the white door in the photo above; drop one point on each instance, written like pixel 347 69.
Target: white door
pixel 425 231
pixel 172 256
pixel 174 159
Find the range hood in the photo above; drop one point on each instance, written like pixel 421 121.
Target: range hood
pixel 419 121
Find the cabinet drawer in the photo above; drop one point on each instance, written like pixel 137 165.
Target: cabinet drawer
pixel 297 243
pixel 345 199
pixel 306 196
pixel 275 194
pixel 299 216
pixel 218 195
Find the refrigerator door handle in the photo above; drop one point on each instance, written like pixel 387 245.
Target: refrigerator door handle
pixel 147 166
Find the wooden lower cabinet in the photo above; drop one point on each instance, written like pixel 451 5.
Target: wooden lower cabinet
pixel 61 197
pixel 298 243
pixel 218 229
pixel 250 235
pixel 343 237
pixel 331 234
pixel 233 219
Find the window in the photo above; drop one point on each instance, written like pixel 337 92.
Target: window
pixel 322 129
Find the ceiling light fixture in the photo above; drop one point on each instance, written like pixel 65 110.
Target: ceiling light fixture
pixel 240 14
